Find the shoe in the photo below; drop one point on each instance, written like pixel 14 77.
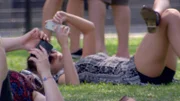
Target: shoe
pixel 107 1
pixel 77 54
pixel 151 18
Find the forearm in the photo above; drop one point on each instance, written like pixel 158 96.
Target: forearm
pixel 11 44
pixel 82 24
pixel 161 5
pixel 71 76
pixel 51 90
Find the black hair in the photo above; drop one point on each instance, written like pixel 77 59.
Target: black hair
pixel 31 65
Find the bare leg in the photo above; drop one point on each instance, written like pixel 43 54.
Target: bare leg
pixel 160 6
pixel 150 57
pixel 89 43
pixel 75 7
pixel 122 22
pixel 97 11
pixel 171 59
pixel 49 9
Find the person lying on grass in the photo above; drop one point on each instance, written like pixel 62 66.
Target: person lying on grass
pixel 21 88
pixel 154 61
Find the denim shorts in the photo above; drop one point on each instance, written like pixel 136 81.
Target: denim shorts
pixel 102 68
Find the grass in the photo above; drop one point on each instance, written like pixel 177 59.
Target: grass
pixel 107 92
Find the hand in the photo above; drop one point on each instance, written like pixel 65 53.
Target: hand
pixel 62 33
pixel 60 17
pixel 32 38
pixel 41 60
pixel 57 61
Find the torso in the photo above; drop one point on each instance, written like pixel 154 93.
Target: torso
pixel 21 88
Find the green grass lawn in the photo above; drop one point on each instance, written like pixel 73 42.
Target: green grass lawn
pixel 107 92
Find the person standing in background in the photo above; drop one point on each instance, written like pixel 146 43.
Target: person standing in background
pixel 97 13
pixel 51 7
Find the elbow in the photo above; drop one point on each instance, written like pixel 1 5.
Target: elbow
pixel 92 27
pixel 89 29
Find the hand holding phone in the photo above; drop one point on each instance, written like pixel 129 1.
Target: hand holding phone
pixel 47 46
pixel 50 25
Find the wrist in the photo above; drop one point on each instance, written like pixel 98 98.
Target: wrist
pixel 21 42
pixel 63 44
pixel 67 17
pixel 45 74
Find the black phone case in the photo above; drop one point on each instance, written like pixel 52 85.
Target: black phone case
pixel 47 46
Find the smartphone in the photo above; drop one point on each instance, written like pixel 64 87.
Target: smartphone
pixel 50 25
pixel 46 45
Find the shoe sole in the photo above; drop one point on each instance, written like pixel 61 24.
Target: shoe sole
pixel 150 19
pixel 76 57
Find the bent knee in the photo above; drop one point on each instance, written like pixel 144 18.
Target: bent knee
pixel 171 14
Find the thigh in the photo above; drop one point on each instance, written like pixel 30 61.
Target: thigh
pixel 171 59
pixel 150 57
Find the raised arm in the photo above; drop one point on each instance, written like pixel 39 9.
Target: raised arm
pixel 25 42
pixel 83 25
pixel 52 92
pixel 161 5
pixel 86 27
pixel 71 76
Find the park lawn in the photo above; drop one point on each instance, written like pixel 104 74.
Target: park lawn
pixel 107 92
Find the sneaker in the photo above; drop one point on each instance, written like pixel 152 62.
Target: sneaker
pixel 151 18
pixel 77 54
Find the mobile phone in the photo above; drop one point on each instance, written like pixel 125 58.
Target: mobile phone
pixel 50 25
pixel 46 45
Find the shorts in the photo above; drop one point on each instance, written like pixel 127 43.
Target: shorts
pixel 102 68
pixel 116 2
pixel 165 78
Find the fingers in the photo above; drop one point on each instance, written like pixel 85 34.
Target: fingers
pixel 65 30
pixel 36 52
pixel 43 36
pixel 39 53
pixel 44 51
pixel 33 59
pixel 35 30
pixel 59 17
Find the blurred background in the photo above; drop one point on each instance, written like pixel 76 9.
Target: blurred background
pixel 19 16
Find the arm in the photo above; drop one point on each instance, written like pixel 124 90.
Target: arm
pixel 85 26
pixel 71 76
pixel 27 41
pixel 161 5
pixel 52 92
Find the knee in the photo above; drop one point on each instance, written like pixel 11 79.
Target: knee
pixel 170 14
